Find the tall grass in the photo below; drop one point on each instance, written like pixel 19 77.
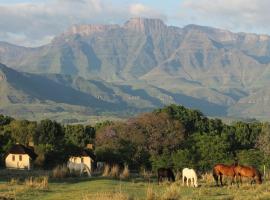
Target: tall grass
pixel 125 173
pixel 171 193
pixel 150 194
pixel 114 173
pixel 38 182
pixel 60 171
pixel 106 171
pixel 146 174
pixel 108 196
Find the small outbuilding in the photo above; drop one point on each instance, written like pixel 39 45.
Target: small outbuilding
pixel 20 157
pixel 85 156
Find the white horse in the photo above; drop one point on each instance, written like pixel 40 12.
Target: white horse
pixel 81 167
pixel 191 175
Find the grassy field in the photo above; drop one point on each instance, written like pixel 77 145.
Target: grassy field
pixel 101 188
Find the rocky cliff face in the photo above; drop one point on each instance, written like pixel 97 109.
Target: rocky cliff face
pixel 209 64
pixel 87 30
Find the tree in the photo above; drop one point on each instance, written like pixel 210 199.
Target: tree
pixel 21 131
pixel 264 139
pixel 211 149
pixel 246 134
pixel 79 135
pixel 4 120
pixel 161 132
pixel 49 133
pixel 183 158
pixel 192 120
pixel 250 157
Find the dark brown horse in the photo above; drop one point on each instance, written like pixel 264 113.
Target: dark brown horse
pixel 165 173
pixel 246 171
pixel 220 170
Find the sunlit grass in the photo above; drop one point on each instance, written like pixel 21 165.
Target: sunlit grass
pixel 133 188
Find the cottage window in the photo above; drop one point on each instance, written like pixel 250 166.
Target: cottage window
pixel 20 157
pixel 13 157
pixel 81 160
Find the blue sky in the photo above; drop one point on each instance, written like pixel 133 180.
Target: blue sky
pixel 36 22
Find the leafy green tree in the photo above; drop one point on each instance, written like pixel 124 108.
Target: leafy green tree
pixel 212 149
pixel 21 131
pixel 184 158
pixel 79 135
pixel 163 160
pixel 4 120
pixel 251 157
pixel 49 133
pixel 5 143
pixel 246 134
pixel 193 120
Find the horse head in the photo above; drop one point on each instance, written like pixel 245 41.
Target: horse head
pixel 258 177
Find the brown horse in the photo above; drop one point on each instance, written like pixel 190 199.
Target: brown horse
pixel 165 173
pixel 246 171
pixel 220 170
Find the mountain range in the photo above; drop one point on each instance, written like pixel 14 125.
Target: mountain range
pixel 136 67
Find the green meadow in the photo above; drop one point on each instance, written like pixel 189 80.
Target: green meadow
pixel 134 188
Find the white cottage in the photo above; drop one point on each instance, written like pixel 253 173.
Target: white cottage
pixel 85 156
pixel 20 157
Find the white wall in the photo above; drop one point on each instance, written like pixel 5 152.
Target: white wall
pixel 25 163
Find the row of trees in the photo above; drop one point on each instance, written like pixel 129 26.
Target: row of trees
pixel 178 137
pixel 172 136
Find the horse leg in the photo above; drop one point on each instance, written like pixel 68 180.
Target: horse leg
pixel 220 177
pixel 240 179
pixel 232 180
pixel 183 180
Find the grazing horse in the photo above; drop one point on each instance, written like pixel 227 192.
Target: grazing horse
pixel 220 170
pixel 165 173
pixel 251 172
pixel 81 167
pixel 191 175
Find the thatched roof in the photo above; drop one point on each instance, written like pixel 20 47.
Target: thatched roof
pixel 21 149
pixel 84 152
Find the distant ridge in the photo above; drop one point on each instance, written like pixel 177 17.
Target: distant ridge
pixel 225 73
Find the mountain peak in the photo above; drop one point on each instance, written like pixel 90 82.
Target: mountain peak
pixel 89 29
pixel 145 25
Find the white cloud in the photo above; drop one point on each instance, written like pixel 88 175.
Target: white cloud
pixel 28 23
pixel 237 15
pixel 141 10
pixel 138 9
